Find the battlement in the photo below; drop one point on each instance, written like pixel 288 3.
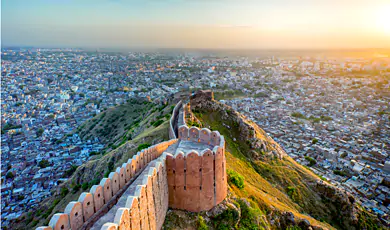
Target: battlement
pixel 187 172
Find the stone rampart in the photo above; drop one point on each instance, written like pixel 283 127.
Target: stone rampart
pixel 197 181
pixel 89 205
pixel 187 172
pixel 173 121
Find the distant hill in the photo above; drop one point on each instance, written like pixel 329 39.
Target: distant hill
pixel 267 188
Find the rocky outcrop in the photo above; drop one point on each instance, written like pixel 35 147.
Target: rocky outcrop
pixel 342 208
pixel 261 145
pixel 345 203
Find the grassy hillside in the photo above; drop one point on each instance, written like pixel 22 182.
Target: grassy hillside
pixel 150 127
pixel 267 189
pixel 110 125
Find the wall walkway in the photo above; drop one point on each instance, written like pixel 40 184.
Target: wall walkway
pixel 187 172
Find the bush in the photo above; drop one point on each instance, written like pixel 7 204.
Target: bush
pixel 298 115
pixel 85 186
pixel 236 179
pixel 340 173
pixel 292 192
pixel 76 188
pixel 9 175
pixel 201 224
pixel 143 146
pixel 193 123
pixel 227 218
pixel 64 191
pixel 93 153
pixel 70 171
pixel 314 141
pixel 311 160
pixel 40 132
pixel 44 163
pixel 249 215
pixel 157 123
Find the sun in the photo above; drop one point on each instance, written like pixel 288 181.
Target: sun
pixel 383 19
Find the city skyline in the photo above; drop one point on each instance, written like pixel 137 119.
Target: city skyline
pixel 215 24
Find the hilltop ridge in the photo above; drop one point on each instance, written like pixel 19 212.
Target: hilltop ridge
pixel 267 189
pixel 285 193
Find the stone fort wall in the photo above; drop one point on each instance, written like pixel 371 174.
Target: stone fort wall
pixel 173 121
pixel 138 194
pixel 89 205
pixel 197 181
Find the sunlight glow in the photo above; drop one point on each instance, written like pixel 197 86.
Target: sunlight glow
pixel 383 19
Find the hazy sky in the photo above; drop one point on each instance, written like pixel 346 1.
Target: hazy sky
pixel 197 23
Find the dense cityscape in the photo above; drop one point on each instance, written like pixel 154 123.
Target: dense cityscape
pixel 330 114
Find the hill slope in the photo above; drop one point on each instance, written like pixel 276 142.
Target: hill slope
pixel 277 192
pixel 119 124
pixel 143 129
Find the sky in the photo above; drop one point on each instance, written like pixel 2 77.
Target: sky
pixel 205 24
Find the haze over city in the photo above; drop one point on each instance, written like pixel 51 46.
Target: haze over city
pixel 195 114
pixel 219 24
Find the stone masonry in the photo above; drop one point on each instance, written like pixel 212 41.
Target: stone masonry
pixel 187 172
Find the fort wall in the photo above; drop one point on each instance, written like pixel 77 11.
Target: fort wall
pixel 197 181
pixel 90 204
pixel 137 194
pixel 173 121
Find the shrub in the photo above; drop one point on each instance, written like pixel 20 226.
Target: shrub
pixel 298 115
pixel 85 186
pixel 314 141
pixel 76 188
pixel 9 175
pixel 249 215
pixel 227 218
pixel 70 171
pixel 143 146
pixel 64 191
pixel 193 123
pixel 236 179
pixel 201 224
pixel 93 153
pixel 311 160
pixel 157 123
pixel 292 192
pixel 44 163
pixel 40 132
pixel 340 173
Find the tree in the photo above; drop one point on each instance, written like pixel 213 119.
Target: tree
pixel 40 132
pixel 9 175
pixel 314 141
pixel 44 163
pixel 311 161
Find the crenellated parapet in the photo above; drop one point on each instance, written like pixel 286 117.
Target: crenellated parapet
pixel 197 179
pixel 144 204
pixel 90 204
pixel 187 172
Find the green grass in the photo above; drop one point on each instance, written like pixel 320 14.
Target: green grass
pixel 267 181
pixel 235 179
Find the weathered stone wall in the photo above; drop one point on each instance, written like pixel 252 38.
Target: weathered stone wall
pixel 197 181
pixel 91 203
pixel 173 121
pixel 137 194
pixel 144 204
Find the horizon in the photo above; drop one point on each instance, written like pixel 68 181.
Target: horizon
pixel 178 24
